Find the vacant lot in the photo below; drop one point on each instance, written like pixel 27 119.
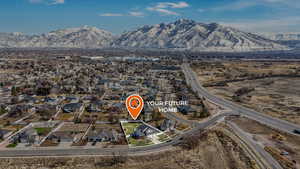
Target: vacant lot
pixel 266 136
pixel 213 151
pixel 269 87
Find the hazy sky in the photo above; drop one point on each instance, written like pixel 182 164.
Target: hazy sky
pixel 38 16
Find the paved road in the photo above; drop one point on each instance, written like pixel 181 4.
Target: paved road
pixel 40 151
pixel 173 116
pixel 193 81
pixel 285 126
pixel 266 156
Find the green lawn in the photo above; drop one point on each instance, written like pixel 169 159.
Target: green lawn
pixel 2 111
pixel 43 131
pixel 139 142
pixel 130 127
pixel 12 145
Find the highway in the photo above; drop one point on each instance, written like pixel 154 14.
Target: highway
pixel 193 81
pixel 196 86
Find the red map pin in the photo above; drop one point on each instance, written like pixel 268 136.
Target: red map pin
pixel 134 104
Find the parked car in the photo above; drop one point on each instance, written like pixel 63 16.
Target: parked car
pixel 94 143
pixel 284 153
pixel 297 131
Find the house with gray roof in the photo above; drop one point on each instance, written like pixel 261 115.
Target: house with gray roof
pixel 102 135
pixel 143 130
pixel 71 107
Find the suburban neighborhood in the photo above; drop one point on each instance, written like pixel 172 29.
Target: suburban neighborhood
pixel 80 101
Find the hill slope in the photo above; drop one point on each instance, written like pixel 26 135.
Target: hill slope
pixel 188 34
pixel 181 34
pixel 84 37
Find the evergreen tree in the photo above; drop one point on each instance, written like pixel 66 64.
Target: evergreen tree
pixel 14 91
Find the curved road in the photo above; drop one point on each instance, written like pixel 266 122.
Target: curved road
pixel 40 151
pixel 193 81
pixel 266 156
pixel 196 86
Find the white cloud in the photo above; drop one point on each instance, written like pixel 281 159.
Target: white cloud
pixel 48 2
pixel 165 7
pixel 58 2
pixel 35 1
pixel 131 13
pixel 163 11
pixel 136 14
pixel 111 14
pixel 172 5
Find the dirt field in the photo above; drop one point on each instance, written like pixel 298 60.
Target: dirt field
pixel 270 88
pixel 269 137
pixel 213 151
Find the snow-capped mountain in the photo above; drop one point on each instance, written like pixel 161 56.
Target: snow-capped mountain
pixel 84 37
pixel 281 36
pixel 13 39
pixel 181 34
pixel 188 34
pixel 291 40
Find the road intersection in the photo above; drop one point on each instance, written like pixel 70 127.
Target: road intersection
pixel 193 81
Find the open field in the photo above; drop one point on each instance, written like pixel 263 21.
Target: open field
pixel 278 141
pixel 213 150
pixel 269 87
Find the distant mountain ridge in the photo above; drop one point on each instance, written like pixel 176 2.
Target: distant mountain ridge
pixel 84 37
pixel 281 36
pixel 291 39
pixel 181 34
pixel 188 34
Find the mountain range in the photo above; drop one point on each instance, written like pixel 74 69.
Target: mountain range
pixel 182 34
pixel 281 36
pixel 291 40
pixel 84 37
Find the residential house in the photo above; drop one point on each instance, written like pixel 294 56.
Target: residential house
pixel 61 136
pixel 72 107
pixel 143 130
pixel 102 135
pixel 5 133
pixel 94 107
pixel 27 136
pixel 51 101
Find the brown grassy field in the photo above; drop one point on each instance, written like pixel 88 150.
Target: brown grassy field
pixel 272 138
pixel 269 87
pixel 213 150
